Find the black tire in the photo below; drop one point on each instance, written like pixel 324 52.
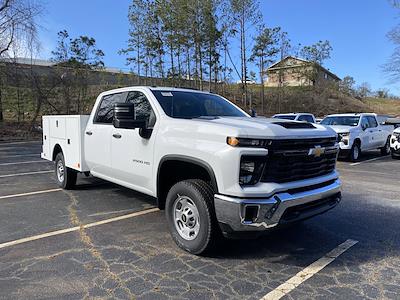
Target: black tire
pixel 355 152
pixel 67 180
pixel 199 193
pixel 394 156
pixel 385 150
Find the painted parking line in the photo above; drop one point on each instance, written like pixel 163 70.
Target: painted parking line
pixel 76 228
pixel 21 155
pixel 309 271
pixel 29 194
pixel 27 173
pixel 368 160
pixel 18 143
pixel 24 162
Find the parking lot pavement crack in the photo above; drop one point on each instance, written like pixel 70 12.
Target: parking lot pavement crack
pixel 87 241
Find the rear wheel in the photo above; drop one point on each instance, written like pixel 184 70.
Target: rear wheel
pixel 191 217
pixel 66 177
pixel 355 152
pixel 385 150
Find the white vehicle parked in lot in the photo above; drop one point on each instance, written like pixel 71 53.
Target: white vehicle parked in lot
pixel 296 117
pixel 359 132
pixel 209 164
pixel 395 143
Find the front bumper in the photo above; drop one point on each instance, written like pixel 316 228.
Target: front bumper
pixel 255 214
pixel 395 146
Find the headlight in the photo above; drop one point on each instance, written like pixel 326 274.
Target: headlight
pixel 246 142
pixel 396 135
pixel 343 137
pixel 251 168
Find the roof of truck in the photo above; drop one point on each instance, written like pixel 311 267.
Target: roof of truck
pixel 352 115
pixel 154 88
pixel 293 114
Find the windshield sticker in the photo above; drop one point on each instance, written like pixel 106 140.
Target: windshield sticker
pixel 166 94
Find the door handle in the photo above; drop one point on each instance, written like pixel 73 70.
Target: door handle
pixel 89 132
pixel 117 135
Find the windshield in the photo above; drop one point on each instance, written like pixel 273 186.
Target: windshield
pixel 188 105
pixel 285 117
pixel 344 120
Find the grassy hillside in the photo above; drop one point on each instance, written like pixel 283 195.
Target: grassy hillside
pixel 383 106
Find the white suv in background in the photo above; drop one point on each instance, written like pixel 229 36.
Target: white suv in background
pixel 359 132
pixel 296 117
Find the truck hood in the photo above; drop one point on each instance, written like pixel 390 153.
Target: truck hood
pixel 341 128
pixel 271 128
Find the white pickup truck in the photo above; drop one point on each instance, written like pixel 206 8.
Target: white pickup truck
pixel 359 132
pixel 212 167
pixel 395 143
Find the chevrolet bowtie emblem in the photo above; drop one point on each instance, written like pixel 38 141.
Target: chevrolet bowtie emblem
pixel 317 151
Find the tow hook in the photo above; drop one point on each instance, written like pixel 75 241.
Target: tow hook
pixel 274 207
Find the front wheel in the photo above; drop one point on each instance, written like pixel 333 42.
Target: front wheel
pixel 385 150
pixel 191 217
pixel 355 152
pixel 66 177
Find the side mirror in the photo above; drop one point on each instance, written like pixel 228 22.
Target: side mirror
pixel 364 127
pixel 124 117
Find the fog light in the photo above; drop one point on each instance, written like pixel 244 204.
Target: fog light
pixel 250 213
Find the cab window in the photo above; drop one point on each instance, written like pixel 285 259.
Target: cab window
pixel 143 110
pixel 104 114
pixel 306 118
pixel 372 122
pixel 364 123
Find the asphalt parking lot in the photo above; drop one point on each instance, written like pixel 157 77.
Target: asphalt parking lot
pixel 104 241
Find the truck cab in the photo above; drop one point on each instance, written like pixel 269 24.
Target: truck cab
pixel 214 169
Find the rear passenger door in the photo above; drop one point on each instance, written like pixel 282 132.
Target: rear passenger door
pixel 374 130
pixel 98 135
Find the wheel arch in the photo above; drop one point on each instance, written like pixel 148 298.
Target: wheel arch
pixel 194 168
pixel 357 141
pixel 56 149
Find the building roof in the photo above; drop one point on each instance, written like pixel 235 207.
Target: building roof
pixel 274 66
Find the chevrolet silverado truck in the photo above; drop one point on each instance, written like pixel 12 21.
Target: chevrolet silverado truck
pixel 395 143
pixel 359 132
pixel 214 169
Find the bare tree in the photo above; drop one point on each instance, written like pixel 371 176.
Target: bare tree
pixel 245 14
pixel 17 27
pixel 17 23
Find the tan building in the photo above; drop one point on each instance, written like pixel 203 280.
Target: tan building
pixel 293 71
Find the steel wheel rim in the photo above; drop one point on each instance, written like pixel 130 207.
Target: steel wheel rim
pixel 186 218
pixel 60 171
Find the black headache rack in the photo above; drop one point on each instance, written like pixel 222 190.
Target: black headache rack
pixel 291 160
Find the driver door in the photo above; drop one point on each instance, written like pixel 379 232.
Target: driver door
pixel 132 149
pixel 365 134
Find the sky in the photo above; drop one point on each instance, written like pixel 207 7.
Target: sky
pixel 356 30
